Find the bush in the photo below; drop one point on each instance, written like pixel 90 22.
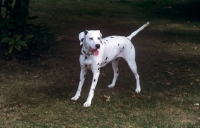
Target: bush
pixel 18 38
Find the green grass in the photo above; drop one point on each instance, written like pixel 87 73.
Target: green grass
pixel 36 93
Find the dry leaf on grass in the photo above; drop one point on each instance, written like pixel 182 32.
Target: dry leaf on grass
pixel 196 104
pixel 149 97
pixel 187 70
pixel 133 95
pixel 169 84
pixel 170 73
pixel 36 76
pixel 106 97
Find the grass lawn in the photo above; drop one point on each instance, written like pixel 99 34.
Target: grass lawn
pixel 36 93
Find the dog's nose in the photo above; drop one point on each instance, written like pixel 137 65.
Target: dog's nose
pixel 97 46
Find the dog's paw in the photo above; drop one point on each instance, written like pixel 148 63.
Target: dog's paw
pixel 111 86
pixel 138 90
pixel 87 104
pixel 75 98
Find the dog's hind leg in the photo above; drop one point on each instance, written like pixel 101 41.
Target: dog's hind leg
pixel 115 64
pixel 133 66
pixel 82 79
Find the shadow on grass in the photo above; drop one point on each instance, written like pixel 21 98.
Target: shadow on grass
pixel 176 10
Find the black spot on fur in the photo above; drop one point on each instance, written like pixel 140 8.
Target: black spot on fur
pixel 94 80
pixel 123 47
pixel 85 58
pixel 82 39
pixel 98 64
pixel 85 32
pixel 81 53
pixel 112 37
pixel 98 68
pixel 93 89
pixel 84 52
pixel 106 40
pixel 106 58
pixel 131 47
pixel 118 44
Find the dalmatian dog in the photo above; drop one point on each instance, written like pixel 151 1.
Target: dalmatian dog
pixel 97 52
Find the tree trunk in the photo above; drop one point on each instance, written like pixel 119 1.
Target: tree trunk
pixel 21 9
pixel 0 6
pixel 21 3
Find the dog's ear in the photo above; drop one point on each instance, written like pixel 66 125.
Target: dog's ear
pixel 100 33
pixel 82 36
pixel 85 32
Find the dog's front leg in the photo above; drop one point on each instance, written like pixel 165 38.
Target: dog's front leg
pixel 82 79
pixel 92 88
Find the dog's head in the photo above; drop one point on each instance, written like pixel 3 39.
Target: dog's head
pixel 91 40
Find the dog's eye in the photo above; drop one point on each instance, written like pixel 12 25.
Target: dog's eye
pixel 91 38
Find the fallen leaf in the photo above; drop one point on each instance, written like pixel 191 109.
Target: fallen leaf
pixel 106 97
pixel 36 76
pixel 148 97
pixel 188 70
pixel 133 95
pixel 180 44
pixel 191 75
pixel 169 84
pixel 170 73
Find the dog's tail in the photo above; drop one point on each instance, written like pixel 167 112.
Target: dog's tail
pixel 138 30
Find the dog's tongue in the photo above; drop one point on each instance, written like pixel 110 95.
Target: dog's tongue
pixel 95 52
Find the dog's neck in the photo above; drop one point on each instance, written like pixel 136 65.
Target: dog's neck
pixel 86 49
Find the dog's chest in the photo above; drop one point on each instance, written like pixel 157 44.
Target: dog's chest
pixel 95 61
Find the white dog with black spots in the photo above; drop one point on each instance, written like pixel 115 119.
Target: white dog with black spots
pixel 97 52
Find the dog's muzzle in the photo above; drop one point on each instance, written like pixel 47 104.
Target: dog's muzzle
pixel 95 51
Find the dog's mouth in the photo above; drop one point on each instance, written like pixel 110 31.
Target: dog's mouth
pixel 94 51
